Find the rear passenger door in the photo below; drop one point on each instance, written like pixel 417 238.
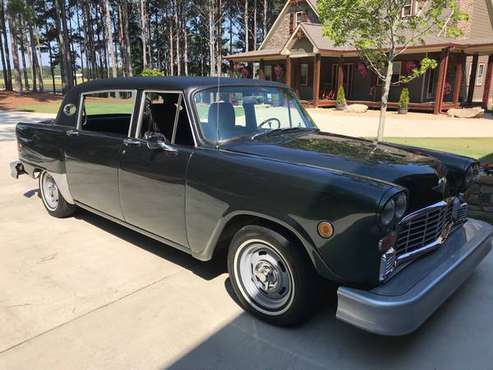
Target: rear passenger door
pixel 152 179
pixel 93 149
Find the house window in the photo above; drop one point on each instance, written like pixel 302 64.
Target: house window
pixel 304 74
pixel 268 72
pixel 480 75
pixel 299 17
pixel 409 9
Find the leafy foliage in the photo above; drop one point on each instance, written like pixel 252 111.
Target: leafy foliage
pixel 341 96
pixel 404 98
pixel 151 72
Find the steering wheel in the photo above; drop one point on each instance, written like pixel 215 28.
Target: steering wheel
pixel 269 121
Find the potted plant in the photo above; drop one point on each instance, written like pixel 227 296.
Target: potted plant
pixel 341 99
pixel 404 101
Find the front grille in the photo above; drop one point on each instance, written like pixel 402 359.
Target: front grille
pixel 424 229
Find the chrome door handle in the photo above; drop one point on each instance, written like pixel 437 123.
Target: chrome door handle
pixel 72 133
pixel 128 142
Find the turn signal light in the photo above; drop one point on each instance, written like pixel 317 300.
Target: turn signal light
pixel 325 229
pixel 387 242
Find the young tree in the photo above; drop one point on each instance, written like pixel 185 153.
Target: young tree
pixel 380 32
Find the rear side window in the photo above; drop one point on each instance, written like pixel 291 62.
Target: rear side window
pixel 108 112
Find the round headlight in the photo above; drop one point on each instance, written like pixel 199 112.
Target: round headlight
pixel 388 213
pixel 400 205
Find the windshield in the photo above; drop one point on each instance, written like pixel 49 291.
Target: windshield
pixel 232 112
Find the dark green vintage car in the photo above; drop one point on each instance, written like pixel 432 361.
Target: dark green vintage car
pixel 209 165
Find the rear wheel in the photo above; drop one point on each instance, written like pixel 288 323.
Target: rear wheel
pixel 53 200
pixel 272 276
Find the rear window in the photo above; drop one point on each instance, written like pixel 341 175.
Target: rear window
pixel 108 112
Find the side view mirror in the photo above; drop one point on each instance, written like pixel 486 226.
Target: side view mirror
pixel 159 141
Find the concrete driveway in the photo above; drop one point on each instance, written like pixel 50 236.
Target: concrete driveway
pixel 84 293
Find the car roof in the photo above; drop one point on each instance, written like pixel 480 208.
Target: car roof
pixel 170 83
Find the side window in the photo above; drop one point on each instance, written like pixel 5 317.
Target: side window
pixel 108 112
pixel 159 116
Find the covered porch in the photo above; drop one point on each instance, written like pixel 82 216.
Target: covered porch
pixel 314 69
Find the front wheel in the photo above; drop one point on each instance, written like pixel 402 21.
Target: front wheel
pixel 53 200
pixel 272 276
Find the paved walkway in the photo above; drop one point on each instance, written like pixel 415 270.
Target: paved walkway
pixel 329 120
pixel 8 120
pixel 410 125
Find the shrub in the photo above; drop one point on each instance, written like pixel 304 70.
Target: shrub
pixel 404 99
pixel 341 96
pixel 151 72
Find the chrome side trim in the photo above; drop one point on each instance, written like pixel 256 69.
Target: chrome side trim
pixel 62 184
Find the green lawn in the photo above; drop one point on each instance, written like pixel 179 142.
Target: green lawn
pixel 479 148
pixel 48 107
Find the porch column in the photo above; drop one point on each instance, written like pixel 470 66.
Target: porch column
pixel 442 78
pixel 289 71
pixel 340 75
pixel 261 70
pixel 488 82
pixel 459 68
pixel 316 80
pixel 472 79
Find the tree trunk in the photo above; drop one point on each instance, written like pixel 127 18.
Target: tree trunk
pixel 255 25
pixel 171 49
pixel 143 32
pixel 15 54
pixel 4 66
pixel 264 23
pixel 385 100
pixel 185 46
pixel 8 85
pixel 177 28
pixel 125 38
pixel 63 39
pixel 109 39
pixel 212 39
pixel 89 38
pixel 52 69
pixel 23 59
pixel 245 25
pixel 34 56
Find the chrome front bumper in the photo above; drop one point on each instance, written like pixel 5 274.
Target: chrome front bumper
pixel 401 305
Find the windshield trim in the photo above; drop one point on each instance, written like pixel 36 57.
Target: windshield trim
pixel 220 142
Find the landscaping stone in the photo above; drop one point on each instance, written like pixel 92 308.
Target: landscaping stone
pixel 476 112
pixel 357 108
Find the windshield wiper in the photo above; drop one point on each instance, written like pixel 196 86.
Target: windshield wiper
pixel 278 131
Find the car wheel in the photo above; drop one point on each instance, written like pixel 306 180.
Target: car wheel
pixel 272 276
pixel 53 200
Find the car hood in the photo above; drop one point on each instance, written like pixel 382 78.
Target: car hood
pixel 416 172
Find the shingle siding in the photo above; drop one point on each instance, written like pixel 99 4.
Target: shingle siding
pixel 280 34
pixel 480 20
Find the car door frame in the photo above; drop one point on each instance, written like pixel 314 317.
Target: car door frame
pixel 182 99
pixel 135 98
pixel 79 131
pixel 172 144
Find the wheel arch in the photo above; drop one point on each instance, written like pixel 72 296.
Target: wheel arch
pixel 229 225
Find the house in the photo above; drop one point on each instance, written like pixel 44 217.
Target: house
pixel 296 52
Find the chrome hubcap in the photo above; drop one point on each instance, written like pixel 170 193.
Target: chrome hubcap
pixel 50 191
pixel 264 277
